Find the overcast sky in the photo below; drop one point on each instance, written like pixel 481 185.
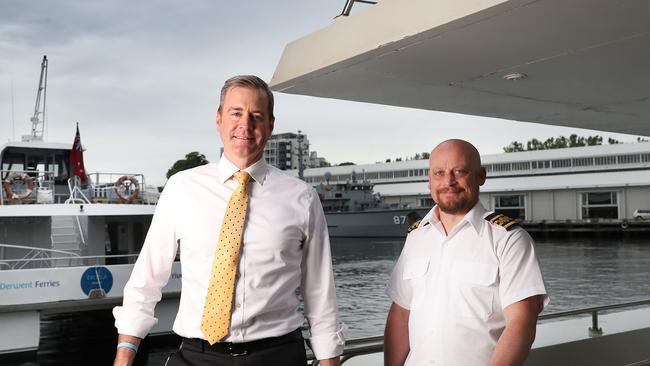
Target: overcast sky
pixel 143 78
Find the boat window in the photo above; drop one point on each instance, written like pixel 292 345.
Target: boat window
pixel 599 205
pixel 511 205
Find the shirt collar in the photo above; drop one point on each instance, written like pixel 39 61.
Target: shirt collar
pixel 257 170
pixel 474 217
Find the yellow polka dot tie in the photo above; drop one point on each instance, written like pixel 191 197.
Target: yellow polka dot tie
pixel 218 302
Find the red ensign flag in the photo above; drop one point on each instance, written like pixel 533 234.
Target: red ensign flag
pixel 77 158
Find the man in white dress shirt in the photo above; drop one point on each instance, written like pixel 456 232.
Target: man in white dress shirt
pixel 285 246
pixel 467 288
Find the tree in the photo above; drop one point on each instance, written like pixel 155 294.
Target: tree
pixel 191 160
pixel 612 141
pixel 346 163
pixel 559 142
pixel 534 144
pixel 514 147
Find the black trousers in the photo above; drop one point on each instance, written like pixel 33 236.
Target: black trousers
pixel 287 350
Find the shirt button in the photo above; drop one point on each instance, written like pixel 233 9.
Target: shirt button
pixel 238 305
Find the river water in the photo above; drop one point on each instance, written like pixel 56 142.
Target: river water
pixel 579 273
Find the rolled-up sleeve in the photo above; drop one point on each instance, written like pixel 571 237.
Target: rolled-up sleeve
pixel 151 271
pixel 327 332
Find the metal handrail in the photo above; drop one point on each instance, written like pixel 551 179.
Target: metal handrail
pixel 87 260
pixel 369 345
pixel 33 255
pixel 80 231
pixel 34 248
pixel 76 256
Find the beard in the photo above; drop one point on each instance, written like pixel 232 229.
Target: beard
pixel 460 204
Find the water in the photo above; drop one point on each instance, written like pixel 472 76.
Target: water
pixel 578 273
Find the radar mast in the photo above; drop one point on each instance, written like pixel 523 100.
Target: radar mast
pixel 38 119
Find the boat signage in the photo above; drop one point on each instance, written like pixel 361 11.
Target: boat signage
pixel 96 281
pixel 31 286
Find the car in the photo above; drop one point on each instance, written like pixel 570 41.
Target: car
pixel 641 215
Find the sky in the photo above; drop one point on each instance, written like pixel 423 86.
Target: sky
pixel 142 79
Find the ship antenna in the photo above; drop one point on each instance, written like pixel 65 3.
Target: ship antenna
pixel 38 119
pixel 13 119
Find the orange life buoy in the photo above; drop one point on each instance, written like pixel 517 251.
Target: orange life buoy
pixel 14 177
pixel 127 188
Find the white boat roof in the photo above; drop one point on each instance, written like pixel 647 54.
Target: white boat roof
pixel 533 183
pixel 587 61
pixel 37 145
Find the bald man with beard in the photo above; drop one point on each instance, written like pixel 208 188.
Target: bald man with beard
pixel 467 288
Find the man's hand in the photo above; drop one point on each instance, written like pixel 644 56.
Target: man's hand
pixel 518 336
pixel 335 361
pixel 125 356
pixel 396 336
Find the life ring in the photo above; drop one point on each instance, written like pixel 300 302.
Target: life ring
pixel 14 177
pixel 127 188
pixel 624 224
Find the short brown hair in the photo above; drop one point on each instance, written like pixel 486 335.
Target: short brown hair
pixel 247 81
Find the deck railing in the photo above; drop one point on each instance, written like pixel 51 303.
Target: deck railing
pixel 39 257
pixel 50 258
pixel 370 345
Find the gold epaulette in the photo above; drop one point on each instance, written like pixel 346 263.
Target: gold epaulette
pixel 502 220
pixel 413 227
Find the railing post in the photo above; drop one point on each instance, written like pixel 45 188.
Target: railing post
pixel 594 330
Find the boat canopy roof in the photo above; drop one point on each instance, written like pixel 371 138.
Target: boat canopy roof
pixel 36 145
pixel 576 63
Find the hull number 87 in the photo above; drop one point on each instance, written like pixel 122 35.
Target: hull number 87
pixel 399 220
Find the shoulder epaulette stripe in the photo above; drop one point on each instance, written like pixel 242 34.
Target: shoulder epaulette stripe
pixel 413 226
pixel 502 220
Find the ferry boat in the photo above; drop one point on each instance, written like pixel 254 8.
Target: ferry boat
pixel 67 242
pixel 556 62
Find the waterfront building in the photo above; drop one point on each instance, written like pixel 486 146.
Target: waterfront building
pixel 290 151
pixel 580 183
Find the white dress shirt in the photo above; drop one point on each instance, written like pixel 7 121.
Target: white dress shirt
pixel 285 246
pixel 456 286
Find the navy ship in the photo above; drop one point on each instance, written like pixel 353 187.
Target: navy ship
pixel 354 209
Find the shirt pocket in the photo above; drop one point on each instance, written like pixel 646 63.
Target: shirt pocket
pixel 473 289
pixel 415 271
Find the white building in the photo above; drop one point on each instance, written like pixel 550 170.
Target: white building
pixel 284 151
pixel 607 181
